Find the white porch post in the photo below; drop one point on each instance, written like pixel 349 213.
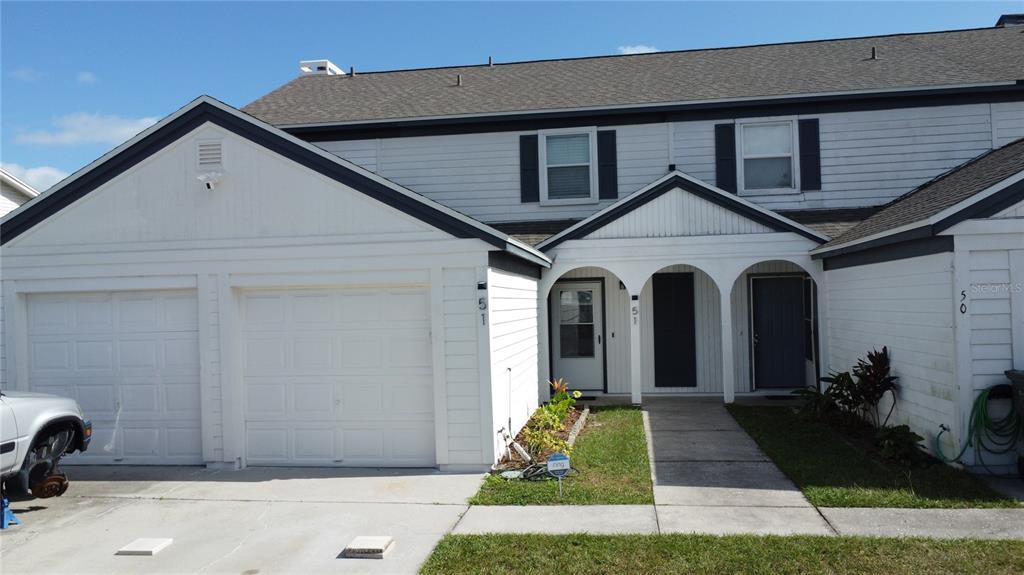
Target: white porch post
pixel 728 372
pixel 635 362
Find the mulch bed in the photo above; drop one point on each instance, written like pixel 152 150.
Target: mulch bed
pixel 511 460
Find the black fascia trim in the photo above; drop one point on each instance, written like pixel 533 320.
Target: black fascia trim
pixel 911 248
pixel 988 207
pixel 204 112
pixel 806 105
pixel 924 231
pixel 507 262
pixel 688 186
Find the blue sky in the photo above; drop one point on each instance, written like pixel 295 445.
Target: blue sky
pixel 79 78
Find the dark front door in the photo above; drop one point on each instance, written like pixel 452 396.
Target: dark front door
pixel 675 341
pixel 778 331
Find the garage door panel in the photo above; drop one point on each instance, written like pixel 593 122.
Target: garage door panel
pixel 330 374
pixel 131 360
pixel 313 400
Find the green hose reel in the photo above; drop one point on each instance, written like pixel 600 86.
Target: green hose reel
pixel 994 435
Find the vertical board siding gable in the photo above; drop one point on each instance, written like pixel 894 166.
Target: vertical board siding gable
pixel 725 157
pixel 529 169
pixel 607 165
pixel 810 154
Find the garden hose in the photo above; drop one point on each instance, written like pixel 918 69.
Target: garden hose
pixel 997 436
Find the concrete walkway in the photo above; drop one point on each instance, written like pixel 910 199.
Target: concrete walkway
pixel 710 477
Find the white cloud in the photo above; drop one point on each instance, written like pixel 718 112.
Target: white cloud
pixel 40 178
pixel 637 49
pixel 26 74
pixel 86 77
pixel 83 128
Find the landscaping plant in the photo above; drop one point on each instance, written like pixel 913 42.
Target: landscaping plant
pixel 899 444
pixel 541 434
pixel 874 380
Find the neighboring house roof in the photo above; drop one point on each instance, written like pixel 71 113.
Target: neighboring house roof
pixel 534 232
pixel 9 181
pixel 831 222
pixel 667 183
pixel 977 188
pixel 901 62
pixel 206 109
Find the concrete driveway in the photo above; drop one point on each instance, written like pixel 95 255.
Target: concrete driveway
pixel 253 521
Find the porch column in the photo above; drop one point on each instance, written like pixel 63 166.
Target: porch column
pixel 728 372
pixel 635 362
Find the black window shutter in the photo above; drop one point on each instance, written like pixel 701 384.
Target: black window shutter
pixel 529 171
pixel 725 157
pixel 607 166
pixel 810 155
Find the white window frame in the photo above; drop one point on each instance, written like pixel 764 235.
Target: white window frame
pixel 542 144
pixel 794 159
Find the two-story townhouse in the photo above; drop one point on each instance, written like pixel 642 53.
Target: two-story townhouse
pixel 385 268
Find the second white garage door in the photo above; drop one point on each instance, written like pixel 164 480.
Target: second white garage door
pixel 338 377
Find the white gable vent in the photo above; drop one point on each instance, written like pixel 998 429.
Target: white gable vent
pixel 209 156
pixel 209 163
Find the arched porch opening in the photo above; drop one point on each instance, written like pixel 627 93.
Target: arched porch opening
pixel 680 332
pixel 586 312
pixel 776 344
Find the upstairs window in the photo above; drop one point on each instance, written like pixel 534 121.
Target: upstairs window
pixel 768 162
pixel 569 173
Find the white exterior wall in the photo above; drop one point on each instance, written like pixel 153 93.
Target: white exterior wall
pixel 867 158
pixel 515 375
pixel 990 323
pixel 153 227
pixel 1007 122
pixel 905 305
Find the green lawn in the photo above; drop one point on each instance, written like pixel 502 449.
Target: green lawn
pixel 611 457
pixel 832 472
pixel 696 554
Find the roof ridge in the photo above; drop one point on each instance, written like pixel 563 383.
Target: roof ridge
pixel 649 54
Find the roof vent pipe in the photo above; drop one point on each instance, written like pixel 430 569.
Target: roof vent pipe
pixel 874 53
pixel 458 80
pixel 490 61
pixel 351 70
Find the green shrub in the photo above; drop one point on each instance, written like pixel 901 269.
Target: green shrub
pixel 899 444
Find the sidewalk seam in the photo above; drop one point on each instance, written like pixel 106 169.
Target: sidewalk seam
pixel 650 463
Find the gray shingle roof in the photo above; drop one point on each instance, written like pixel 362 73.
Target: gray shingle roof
pixel 940 193
pixel 904 61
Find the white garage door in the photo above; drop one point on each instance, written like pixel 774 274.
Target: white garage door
pixel 338 377
pixel 131 359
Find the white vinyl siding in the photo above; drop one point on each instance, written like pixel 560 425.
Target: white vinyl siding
pixel 867 158
pixel 1007 122
pixel 462 369
pixel 678 213
pixel 907 306
pixel 515 374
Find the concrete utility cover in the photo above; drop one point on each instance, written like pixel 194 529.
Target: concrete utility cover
pixel 369 547
pixel 144 546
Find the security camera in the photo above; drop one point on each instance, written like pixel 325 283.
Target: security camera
pixel 210 180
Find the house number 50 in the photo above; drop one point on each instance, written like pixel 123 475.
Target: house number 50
pixel 963 301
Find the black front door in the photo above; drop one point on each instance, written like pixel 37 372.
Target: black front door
pixel 778 331
pixel 675 341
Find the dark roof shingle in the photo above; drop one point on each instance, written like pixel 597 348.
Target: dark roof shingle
pixel 944 191
pixel 904 61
